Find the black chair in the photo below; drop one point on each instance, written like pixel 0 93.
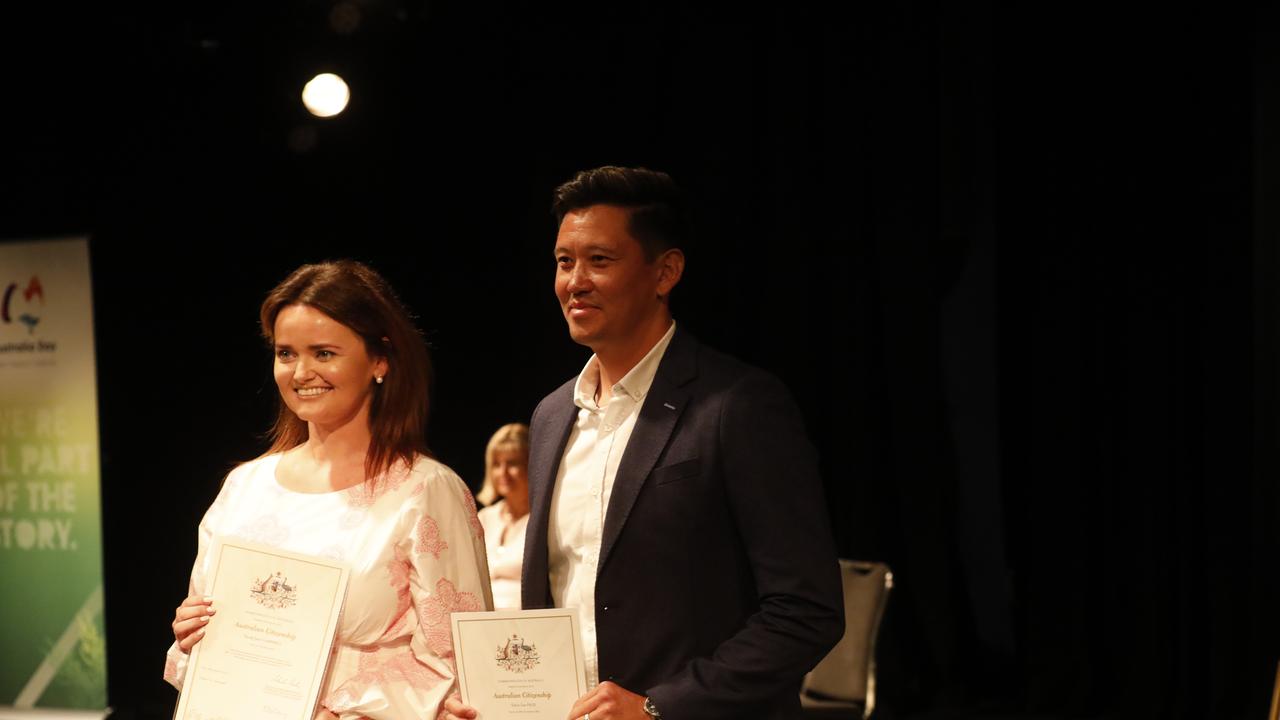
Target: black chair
pixel 1275 698
pixel 843 684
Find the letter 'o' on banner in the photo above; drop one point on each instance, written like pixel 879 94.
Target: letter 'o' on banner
pixel 51 609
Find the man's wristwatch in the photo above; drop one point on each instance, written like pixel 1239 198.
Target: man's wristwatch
pixel 651 710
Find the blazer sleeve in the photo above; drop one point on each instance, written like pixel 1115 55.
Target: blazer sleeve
pixel 777 501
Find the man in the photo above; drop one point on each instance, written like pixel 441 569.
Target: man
pixel 674 497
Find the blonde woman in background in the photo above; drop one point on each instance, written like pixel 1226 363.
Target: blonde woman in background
pixel 506 481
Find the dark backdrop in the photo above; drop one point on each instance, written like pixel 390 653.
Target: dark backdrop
pixel 1017 267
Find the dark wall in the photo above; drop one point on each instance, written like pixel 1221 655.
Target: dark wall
pixel 1017 268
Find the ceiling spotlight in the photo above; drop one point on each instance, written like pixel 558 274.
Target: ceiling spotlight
pixel 326 95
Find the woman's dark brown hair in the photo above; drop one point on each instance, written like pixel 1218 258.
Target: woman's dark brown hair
pixel 358 297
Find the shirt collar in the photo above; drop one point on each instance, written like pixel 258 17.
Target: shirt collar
pixel 635 384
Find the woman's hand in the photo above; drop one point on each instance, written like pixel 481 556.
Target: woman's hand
pixel 190 620
pixel 455 709
pixel 324 714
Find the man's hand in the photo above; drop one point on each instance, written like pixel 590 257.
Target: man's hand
pixel 455 709
pixel 610 701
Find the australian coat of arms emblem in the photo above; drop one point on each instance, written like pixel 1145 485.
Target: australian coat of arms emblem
pixel 274 592
pixel 516 656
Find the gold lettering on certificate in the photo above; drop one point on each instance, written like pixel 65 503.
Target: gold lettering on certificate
pixel 516 655
pixel 267 631
pixel 274 592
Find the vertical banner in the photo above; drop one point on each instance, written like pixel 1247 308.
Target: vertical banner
pixel 52 639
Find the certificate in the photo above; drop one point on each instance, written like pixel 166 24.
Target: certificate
pixel 520 664
pixel 265 651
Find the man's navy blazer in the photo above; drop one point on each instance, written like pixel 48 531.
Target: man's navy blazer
pixel 717 586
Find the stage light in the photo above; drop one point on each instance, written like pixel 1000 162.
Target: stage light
pixel 326 95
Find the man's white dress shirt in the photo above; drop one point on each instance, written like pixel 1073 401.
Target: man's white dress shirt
pixel 584 482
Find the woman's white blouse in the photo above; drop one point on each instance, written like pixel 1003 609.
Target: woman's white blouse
pixel 416 551
pixel 504 543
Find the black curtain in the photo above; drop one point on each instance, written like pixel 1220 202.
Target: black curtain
pixel 1017 266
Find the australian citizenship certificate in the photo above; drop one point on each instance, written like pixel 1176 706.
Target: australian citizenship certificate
pixel 520 664
pixel 266 650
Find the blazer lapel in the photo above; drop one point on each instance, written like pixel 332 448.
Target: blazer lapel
pixel 661 410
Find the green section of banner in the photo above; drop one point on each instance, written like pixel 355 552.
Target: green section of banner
pixel 51 624
pixel 76 665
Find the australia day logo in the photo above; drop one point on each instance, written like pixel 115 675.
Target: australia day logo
pixel 516 656
pixel 274 592
pixel 23 304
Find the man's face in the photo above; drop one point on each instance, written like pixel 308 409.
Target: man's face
pixel 607 289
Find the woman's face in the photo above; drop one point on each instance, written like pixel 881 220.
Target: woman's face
pixel 510 472
pixel 322 369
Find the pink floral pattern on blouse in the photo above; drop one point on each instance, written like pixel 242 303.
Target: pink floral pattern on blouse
pixel 266 530
pixel 403 666
pixel 334 552
pixel 361 496
pixel 476 528
pixel 392 659
pixel 352 518
pixel 378 669
pixel 429 540
pixel 346 697
pixel 398 572
pixel 447 599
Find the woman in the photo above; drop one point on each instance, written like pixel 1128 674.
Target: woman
pixel 506 475
pixel 348 477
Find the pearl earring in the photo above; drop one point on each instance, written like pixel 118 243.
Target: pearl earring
pixel 378 379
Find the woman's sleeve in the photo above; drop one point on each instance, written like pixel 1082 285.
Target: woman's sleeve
pixel 443 558
pixel 175 662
